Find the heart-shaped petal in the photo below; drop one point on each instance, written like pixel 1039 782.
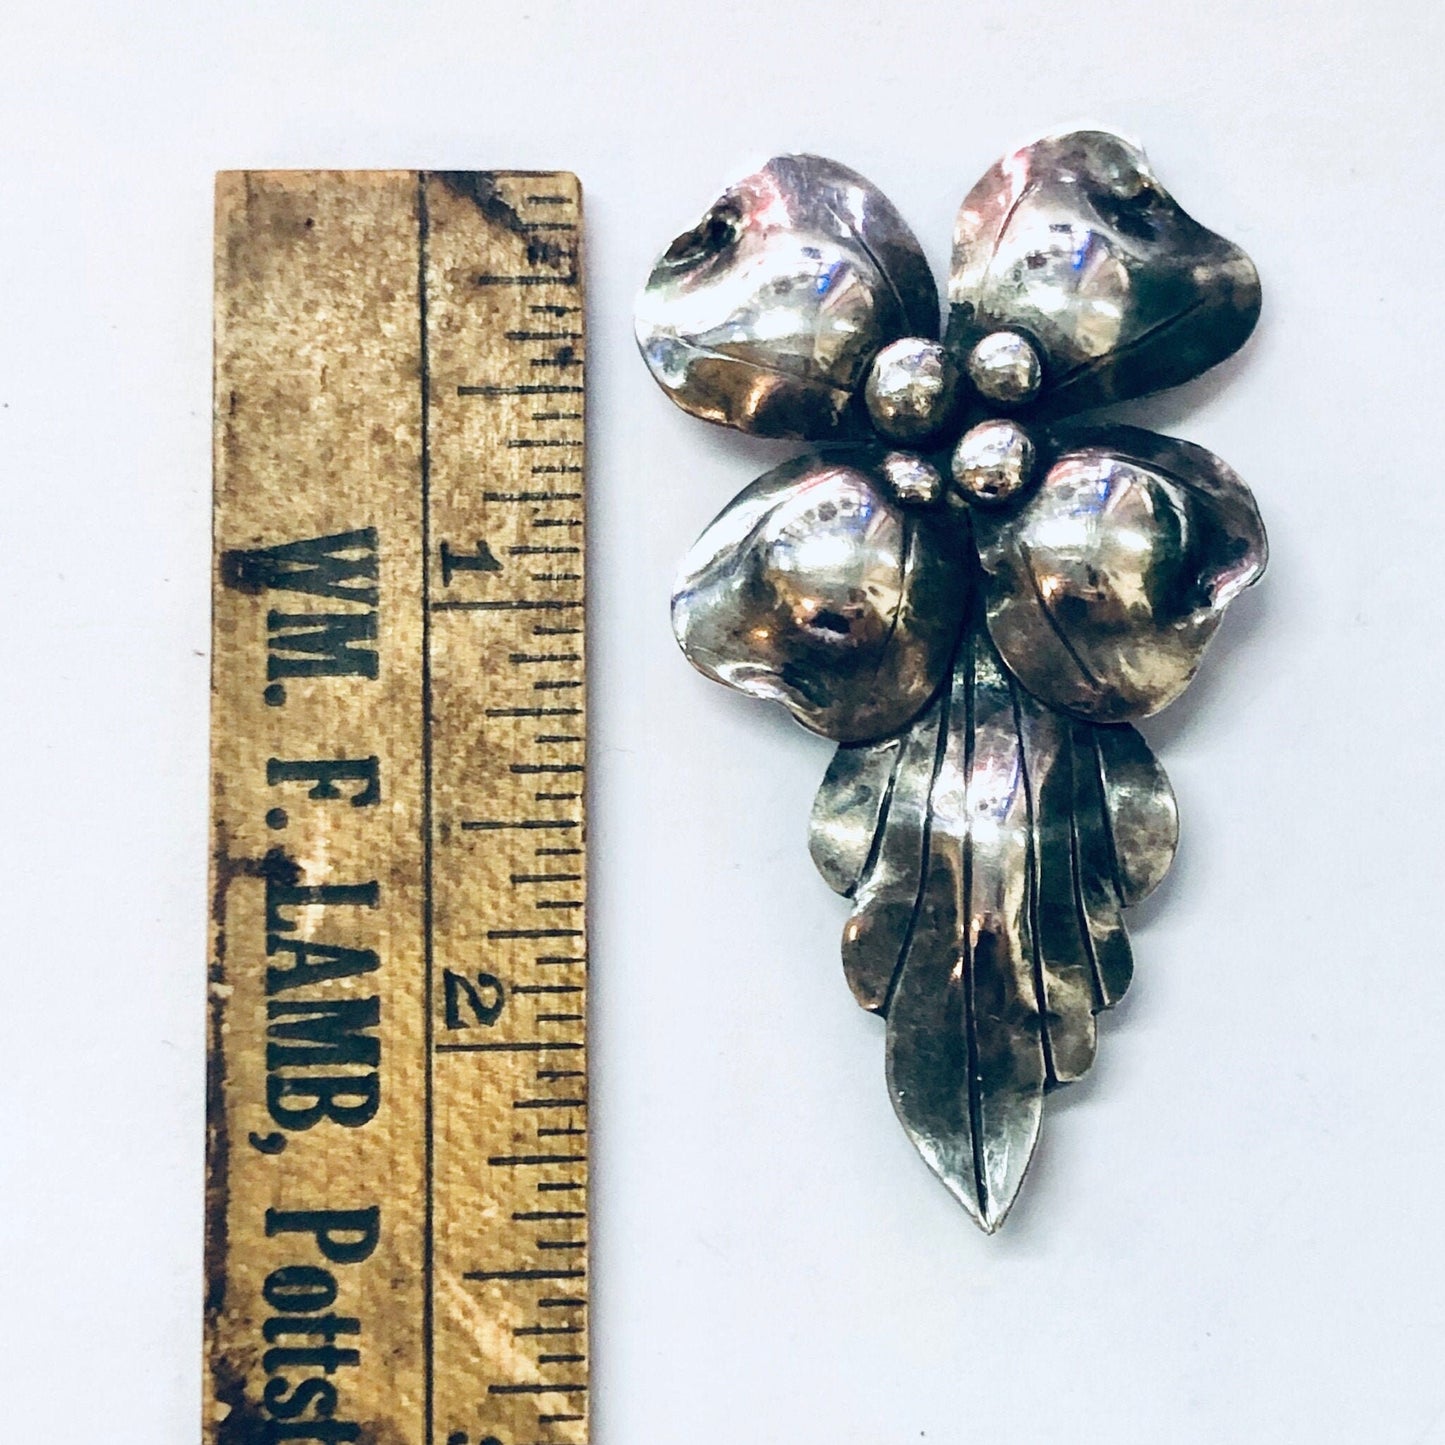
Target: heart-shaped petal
pixel 767 313
pixel 817 589
pixel 1107 584
pixel 1073 242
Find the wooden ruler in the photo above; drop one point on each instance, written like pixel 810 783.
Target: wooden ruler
pixel 397 1150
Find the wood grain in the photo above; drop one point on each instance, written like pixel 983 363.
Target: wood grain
pixel 397 1147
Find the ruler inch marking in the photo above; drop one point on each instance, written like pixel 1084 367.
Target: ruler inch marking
pixel 382 338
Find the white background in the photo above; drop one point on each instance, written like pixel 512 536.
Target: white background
pixel 1234 1228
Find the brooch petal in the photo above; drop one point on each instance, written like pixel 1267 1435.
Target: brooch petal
pixel 766 314
pixel 816 588
pixel 1074 244
pixel 1106 585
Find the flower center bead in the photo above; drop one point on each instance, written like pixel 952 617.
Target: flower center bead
pixel 915 482
pixel 1004 368
pixel 993 462
pixel 912 389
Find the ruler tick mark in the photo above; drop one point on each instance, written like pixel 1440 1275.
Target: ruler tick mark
pixel 532 1161
pixel 533 712
pixel 511 1046
pixel 534 388
pixel 532 604
pixel 491 280
pixel 530 497
pixel 478 825
pixel 521 1274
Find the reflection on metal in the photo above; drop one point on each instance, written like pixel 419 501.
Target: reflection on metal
pixel 767 314
pixel 1108 582
pixel 975 622
pixel 818 589
pixel 993 462
pixel 1004 368
pixel 912 390
pixel 1072 242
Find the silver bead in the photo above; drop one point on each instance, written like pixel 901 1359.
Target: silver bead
pixel 993 462
pixel 912 389
pixel 913 481
pixel 1073 241
pixel 816 589
pixel 767 313
pixel 1107 584
pixel 1004 368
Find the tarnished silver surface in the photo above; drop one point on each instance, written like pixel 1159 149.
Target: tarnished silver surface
pixel 1143 815
pixel 912 389
pixel 989 853
pixel 1004 368
pixel 886 896
pixel 974 644
pixel 816 588
pixel 848 809
pixel 1106 585
pixel 766 315
pixel 965 1062
pixel 993 462
pixel 913 481
pixel 1073 241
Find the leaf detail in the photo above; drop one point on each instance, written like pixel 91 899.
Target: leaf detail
pixel 987 921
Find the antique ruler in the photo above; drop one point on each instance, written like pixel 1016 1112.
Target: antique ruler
pixel 397 1145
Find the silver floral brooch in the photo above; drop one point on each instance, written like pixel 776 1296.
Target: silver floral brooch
pixel 968 588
